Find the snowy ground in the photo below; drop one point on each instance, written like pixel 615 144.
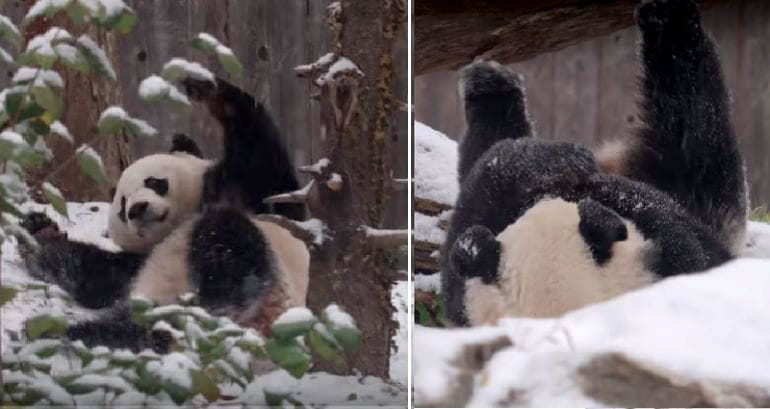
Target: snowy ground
pixel 705 333
pixel 88 223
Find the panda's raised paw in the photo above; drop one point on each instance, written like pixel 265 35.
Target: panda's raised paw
pixel 489 78
pixel 476 254
pixel 198 90
pixel 657 14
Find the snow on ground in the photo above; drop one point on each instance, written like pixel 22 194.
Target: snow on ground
pixel 88 222
pixel 709 328
pixel 436 177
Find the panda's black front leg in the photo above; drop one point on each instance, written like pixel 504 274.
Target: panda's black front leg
pixel 94 277
pixel 476 254
pixel 687 146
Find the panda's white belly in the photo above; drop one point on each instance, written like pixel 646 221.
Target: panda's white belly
pixel 165 274
pixel 546 269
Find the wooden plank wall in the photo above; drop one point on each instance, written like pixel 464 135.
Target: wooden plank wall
pixel 586 93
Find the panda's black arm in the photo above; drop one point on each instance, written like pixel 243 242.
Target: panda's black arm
pixel 256 164
pixel 94 277
pixel 475 254
pixel 687 147
pixel 495 109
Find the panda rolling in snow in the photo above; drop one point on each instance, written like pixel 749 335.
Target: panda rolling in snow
pixel 542 228
pixel 186 224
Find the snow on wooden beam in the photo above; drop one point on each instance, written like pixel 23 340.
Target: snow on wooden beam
pixel 449 35
pixel 386 238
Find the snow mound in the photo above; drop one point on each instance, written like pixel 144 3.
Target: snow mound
pixel 690 340
pixel 436 176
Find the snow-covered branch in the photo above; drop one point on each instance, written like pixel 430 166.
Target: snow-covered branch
pixel 297 196
pixel 386 238
pixel 400 184
pixel 312 232
pixel 317 169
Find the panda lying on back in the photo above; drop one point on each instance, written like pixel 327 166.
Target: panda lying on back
pixel 188 225
pixel 542 228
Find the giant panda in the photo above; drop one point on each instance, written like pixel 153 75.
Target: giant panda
pixel 541 228
pixel 187 224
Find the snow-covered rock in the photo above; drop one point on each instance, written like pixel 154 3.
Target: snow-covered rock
pixel 693 340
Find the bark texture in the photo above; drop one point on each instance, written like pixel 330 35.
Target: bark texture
pixel 448 35
pixel 351 267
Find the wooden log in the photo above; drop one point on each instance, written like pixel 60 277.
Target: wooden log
pixel 448 35
pixel 429 207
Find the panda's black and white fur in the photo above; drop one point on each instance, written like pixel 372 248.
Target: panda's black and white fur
pixel 187 224
pixel 542 228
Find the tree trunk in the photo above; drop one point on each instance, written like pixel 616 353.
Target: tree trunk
pixel 85 97
pixel 352 266
pixel 450 34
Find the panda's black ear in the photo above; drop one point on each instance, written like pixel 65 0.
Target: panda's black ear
pixel 183 143
pixel 600 227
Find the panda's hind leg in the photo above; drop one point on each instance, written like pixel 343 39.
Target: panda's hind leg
pixel 231 262
pixel 495 109
pixel 256 164
pixel 687 146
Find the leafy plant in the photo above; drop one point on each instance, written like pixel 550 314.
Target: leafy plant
pixel 206 352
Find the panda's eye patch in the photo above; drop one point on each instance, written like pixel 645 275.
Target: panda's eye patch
pixel 122 213
pixel 159 186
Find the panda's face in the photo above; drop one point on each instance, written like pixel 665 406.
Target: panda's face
pixel 153 196
pixel 558 257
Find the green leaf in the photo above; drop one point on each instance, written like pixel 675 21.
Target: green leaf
pixel 204 385
pixel 55 198
pixel 109 125
pixel 45 325
pixel 91 163
pixel 229 61
pixel 348 337
pixel 78 13
pixel 73 58
pixel 44 60
pixel 30 109
pixel 179 394
pixel 146 381
pixel 290 356
pixel 291 330
pixel 324 348
pixel 7 207
pixel 7 294
pixel 205 43
pixel 126 22
pixel 48 99
pixel 9 31
pixel 13 102
pixel 39 127
pixel 29 398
